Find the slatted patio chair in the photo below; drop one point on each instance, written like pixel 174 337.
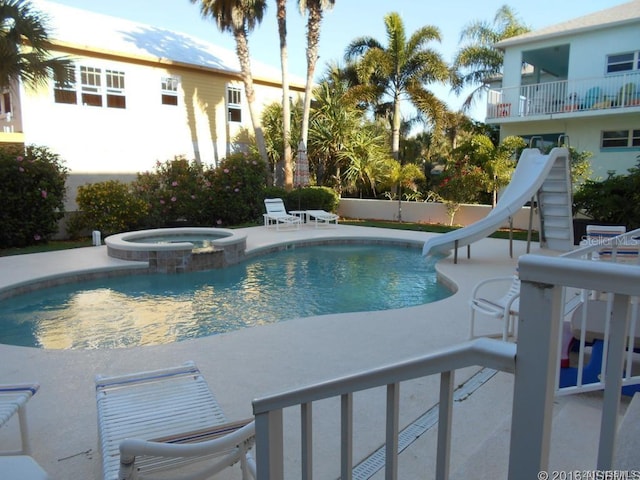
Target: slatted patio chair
pixel 167 424
pixel 277 214
pixel 13 400
pixel 322 217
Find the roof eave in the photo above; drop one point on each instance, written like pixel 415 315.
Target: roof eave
pixel 526 38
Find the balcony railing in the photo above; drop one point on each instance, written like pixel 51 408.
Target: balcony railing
pixel 548 287
pixel 565 97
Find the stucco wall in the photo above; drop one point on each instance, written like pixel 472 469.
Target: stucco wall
pixel 425 212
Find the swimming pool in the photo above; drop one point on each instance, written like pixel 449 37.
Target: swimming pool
pixel 157 309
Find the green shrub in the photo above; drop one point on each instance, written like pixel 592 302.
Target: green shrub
pixel 312 198
pixel 173 192
pixel 111 207
pixel 235 192
pixel 614 200
pixel 33 186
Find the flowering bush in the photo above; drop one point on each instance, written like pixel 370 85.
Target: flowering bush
pixel 235 193
pixel 33 191
pixel 173 192
pixel 110 207
pixel 461 182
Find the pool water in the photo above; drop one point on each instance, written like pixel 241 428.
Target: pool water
pixel 158 309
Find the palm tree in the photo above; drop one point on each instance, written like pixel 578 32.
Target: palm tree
pixel 21 24
pixel 403 68
pixel 316 9
pixel 478 60
pixel 330 127
pixel 365 154
pixel 239 17
pixel 286 107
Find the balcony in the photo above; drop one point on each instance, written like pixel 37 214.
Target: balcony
pixel 582 97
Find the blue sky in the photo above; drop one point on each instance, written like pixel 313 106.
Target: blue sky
pixel 348 19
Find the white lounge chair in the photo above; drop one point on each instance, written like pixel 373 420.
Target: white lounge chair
pixel 322 217
pixel 13 400
pixel 277 214
pixel 167 421
pixel 503 307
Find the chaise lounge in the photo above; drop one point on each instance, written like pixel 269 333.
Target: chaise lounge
pixel 167 422
pixel 322 217
pixel 277 214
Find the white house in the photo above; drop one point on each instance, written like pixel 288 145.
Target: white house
pixel 581 82
pixel 140 94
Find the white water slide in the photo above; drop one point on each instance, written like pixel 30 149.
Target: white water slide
pixel 548 177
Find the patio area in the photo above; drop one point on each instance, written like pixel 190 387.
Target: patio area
pixel 246 364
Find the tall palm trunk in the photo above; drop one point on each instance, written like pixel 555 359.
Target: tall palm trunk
pixel 313 38
pixel 286 104
pixel 242 50
pixel 395 126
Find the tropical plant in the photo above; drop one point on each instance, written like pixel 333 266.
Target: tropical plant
pixel 274 131
pixel 24 44
pixel 497 161
pixel 399 177
pixel 333 120
pixel 239 17
pixel 33 191
pixel 403 67
pixel 315 10
pixel 286 105
pixel 461 182
pixel 365 156
pixel 477 61
pixel 613 200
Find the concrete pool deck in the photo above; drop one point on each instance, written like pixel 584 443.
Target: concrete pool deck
pixel 246 364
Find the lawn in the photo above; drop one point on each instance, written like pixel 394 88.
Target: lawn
pixel 421 227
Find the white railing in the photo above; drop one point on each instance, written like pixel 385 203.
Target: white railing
pixel 590 324
pixel 565 96
pixel 268 411
pixel 545 282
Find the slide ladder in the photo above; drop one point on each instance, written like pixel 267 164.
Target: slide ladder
pixel 554 204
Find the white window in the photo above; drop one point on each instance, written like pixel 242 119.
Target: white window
pixel 91 86
pixel 5 103
pixel 115 89
pixel 65 90
pixel 623 62
pixel 620 139
pixel 234 104
pixel 97 87
pixel 170 90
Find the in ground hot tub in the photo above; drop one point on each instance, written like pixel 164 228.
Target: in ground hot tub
pixel 183 249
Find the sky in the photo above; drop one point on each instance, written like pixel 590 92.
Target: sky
pixel 349 19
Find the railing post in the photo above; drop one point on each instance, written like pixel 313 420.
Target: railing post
pixel 536 363
pixel 613 382
pixel 444 425
pixel 346 435
pixel 269 445
pixel 306 432
pixel 393 422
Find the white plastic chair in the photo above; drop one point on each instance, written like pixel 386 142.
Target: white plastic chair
pixel 278 215
pixel 503 307
pixel 322 217
pixel 168 421
pixel 13 400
